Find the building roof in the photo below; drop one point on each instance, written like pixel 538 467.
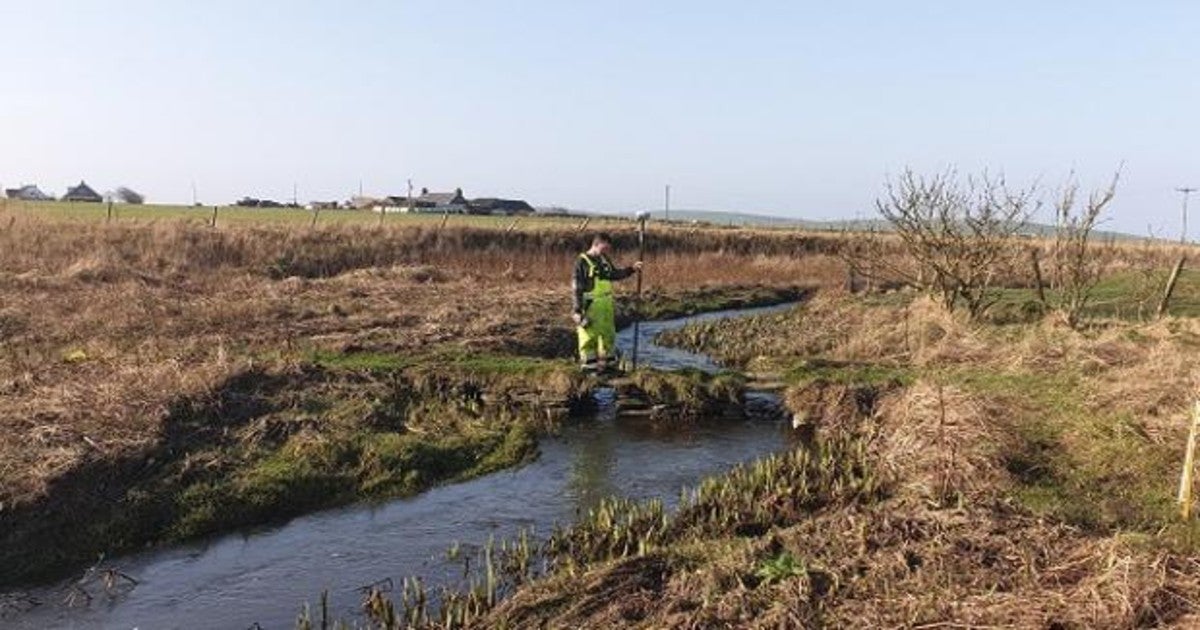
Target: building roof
pixel 28 192
pixel 82 192
pixel 492 204
pixel 442 198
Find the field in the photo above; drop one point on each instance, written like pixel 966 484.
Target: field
pixel 163 380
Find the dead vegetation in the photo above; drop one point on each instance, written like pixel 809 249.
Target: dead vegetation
pixel 109 332
pixel 1021 477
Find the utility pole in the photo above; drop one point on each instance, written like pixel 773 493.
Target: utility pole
pixel 1187 191
pixel 295 187
pixel 410 208
pixel 194 203
pixel 667 204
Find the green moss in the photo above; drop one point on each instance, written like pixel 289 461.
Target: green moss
pixel 692 393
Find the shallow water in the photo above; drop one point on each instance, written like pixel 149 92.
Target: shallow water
pixel 264 576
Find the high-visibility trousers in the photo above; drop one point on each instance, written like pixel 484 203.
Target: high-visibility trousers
pixel 599 337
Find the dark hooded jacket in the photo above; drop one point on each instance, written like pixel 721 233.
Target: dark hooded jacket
pixel 605 270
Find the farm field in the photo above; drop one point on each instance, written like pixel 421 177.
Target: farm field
pixel 238 215
pixel 166 381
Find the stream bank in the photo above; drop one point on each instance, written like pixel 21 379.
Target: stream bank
pixel 492 385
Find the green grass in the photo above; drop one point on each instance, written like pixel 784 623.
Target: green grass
pixel 1090 467
pixel 377 362
pixel 301 477
pixel 1127 295
pixel 448 358
pixel 809 371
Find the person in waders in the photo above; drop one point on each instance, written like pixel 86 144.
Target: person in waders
pixel 594 314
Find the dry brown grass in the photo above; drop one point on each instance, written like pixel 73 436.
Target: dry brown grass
pixel 103 326
pixel 1026 467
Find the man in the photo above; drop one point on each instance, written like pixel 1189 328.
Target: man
pixel 594 310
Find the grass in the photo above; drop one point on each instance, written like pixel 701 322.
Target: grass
pixel 156 371
pixel 242 216
pixel 270 447
pixel 807 372
pixel 1007 476
pixel 1091 468
pixel 1128 295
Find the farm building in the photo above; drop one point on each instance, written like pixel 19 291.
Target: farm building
pixel 452 202
pixel 27 193
pixel 489 205
pixel 82 192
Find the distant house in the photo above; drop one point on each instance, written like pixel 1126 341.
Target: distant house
pixel 83 193
pixel 251 202
pixel 322 205
pixel 452 202
pixel 490 205
pixel 27 193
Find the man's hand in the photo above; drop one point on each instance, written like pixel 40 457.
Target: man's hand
pixel 577 318
pixel 637 266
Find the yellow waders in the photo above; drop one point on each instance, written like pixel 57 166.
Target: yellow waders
pixel 598 339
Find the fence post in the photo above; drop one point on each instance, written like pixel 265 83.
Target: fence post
pixel 445 218
pixel 109 211
pixel 512 225
pixel 1166 298
pixel 583 226
pixel 1189 461
pixel 316 213
pixel 214 217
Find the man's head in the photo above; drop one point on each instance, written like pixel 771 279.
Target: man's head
pixel 601 243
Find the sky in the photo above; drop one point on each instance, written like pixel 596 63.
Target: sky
pixel 798 109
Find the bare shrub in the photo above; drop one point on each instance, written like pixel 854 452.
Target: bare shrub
pixel 1075 267
pixel 954 237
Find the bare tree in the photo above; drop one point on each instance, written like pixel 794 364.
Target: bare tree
pixel 1076 267
pixel 130 196
pixel 956 237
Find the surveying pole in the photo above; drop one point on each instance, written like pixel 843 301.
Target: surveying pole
pixel 641 219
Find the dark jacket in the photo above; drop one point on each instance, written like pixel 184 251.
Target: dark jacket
pixel 605 270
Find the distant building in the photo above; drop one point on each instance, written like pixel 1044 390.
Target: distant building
pixel 360 202
pixel 452 202
pixel 27 193
pixel 251 202
pixel 322 205
pixel 490 205
pixel 83 193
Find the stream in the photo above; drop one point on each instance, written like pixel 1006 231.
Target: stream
pixel 262 577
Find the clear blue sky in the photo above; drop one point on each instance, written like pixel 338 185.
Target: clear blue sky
pixel 790 108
